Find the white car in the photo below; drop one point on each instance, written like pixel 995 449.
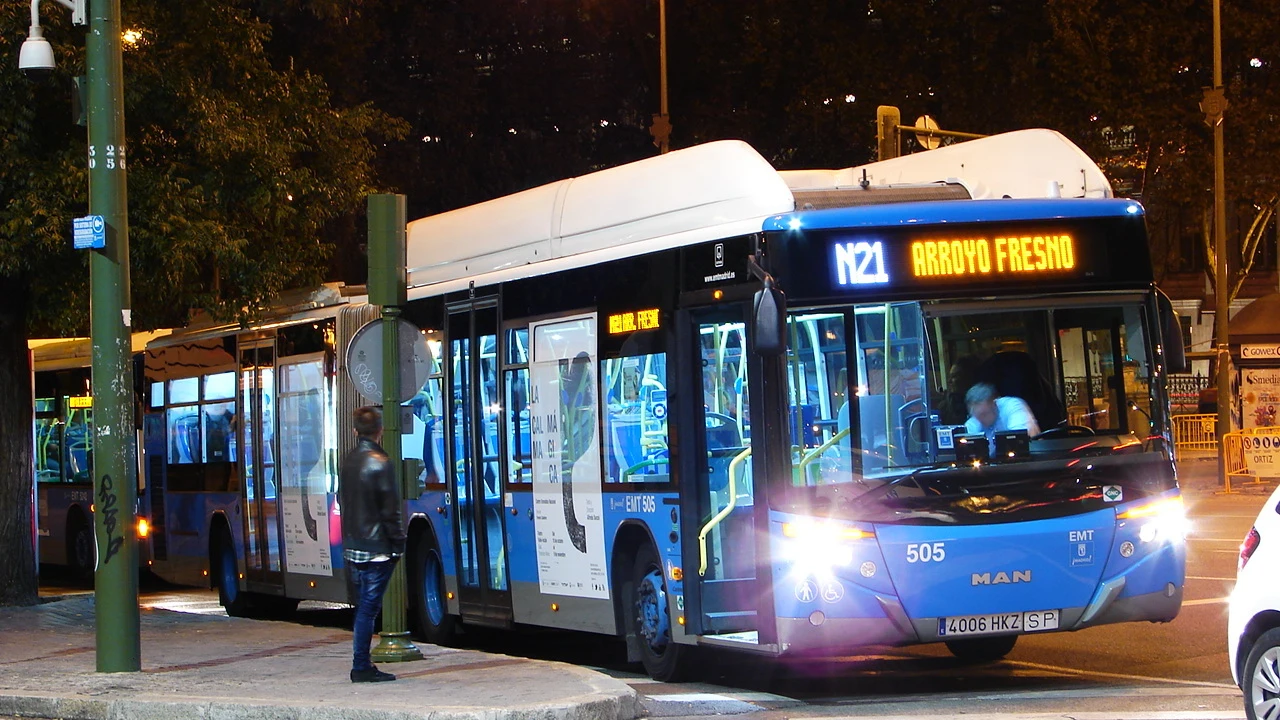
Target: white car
pixel 1253 620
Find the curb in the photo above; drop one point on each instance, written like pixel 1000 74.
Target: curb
pixel 598 705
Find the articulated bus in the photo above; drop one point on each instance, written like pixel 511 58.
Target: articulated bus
pixel 695 401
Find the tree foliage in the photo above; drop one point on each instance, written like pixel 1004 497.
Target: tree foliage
pixel 235 168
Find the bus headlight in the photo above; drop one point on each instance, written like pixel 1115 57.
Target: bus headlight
pixel 1162 519
pixel 817 547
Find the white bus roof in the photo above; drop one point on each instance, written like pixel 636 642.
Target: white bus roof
pixel 1035 163
pixel 720 189
pixel 64 353
pixel 716 190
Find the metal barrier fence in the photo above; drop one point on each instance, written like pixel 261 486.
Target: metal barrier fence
pixel 1233 454
pixel 1195 432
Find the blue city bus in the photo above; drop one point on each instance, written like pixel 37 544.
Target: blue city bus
pixel 695 401
pixel 63 439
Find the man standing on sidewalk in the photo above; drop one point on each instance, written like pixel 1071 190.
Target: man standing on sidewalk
pixel 372 534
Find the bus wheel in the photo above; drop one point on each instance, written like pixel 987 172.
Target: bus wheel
pixel 234 600
pixel 427 594
pixel 982 649
pixel 81 554
pixel 663 659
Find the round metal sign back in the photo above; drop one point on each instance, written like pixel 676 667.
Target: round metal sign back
pixel 364 360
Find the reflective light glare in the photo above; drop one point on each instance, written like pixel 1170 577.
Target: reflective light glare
pixel 131 37
pixel 815 548
pixel 1255 62
pixel 794 224
pixel 1164 519
pixel 1132 209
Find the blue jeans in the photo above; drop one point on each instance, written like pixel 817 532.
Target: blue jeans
pixel 371 580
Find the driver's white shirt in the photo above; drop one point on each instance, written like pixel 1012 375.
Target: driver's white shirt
pixel 1012 413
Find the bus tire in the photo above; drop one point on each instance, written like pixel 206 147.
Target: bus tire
pixel 982 649
pixel 648 609
pixel 427 593
pixel 234 600
pixel 82 554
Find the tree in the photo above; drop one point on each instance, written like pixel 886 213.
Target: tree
pixel 235 168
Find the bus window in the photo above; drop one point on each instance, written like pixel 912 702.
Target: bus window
pixel 423 442
pixel 48 431
pixel 219 432
pixel 855 421
pixel 635 423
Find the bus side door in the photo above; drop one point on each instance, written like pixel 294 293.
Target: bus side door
pixel 474 403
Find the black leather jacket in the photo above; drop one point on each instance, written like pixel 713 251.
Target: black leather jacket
pixel 371 518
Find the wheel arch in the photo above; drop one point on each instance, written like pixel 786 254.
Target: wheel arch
pixel 631 536
pixel 1257 627
pixel 218 524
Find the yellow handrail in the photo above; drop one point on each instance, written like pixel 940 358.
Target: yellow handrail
pixel 733 502
pixel 816 452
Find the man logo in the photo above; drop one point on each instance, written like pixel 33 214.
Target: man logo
pixel 1001 578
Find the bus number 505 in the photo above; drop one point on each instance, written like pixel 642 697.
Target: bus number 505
pixel 926 552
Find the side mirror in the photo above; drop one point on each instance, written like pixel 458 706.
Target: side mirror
pixel 769 320
pixel 1175 349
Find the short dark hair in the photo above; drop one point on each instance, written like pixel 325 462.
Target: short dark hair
pixel 367 420
pixel 980 393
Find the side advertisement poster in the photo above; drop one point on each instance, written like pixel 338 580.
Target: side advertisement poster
pixel 304 494
pixel 1260 397
pixel 564 406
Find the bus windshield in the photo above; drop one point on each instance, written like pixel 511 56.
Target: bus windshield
pixel 882 428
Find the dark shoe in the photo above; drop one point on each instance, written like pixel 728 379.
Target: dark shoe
pixel 371 675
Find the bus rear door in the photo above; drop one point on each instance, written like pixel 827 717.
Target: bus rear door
pixel 262 547
pixel 484 592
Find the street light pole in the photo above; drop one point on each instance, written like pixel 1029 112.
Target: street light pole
pixel 115 453
pixel 661 127
pixel 1220 243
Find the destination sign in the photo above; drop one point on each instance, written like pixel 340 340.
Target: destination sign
pixel 1024 254
pixel 628 322
pixel 77 402
pixel 965 258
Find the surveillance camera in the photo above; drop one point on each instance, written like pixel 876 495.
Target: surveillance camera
pixel 35 59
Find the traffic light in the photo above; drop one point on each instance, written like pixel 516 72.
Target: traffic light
pixel 888 118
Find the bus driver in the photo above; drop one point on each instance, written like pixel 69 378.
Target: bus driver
pixel 989 414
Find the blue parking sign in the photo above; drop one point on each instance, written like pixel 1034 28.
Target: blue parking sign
pixel 89 232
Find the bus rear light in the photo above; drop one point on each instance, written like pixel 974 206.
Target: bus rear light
pixel 1247 547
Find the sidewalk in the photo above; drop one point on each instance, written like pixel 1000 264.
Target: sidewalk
pixel 1198 474
pixel 206 667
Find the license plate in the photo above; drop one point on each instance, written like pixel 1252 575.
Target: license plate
pixel 1018 622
